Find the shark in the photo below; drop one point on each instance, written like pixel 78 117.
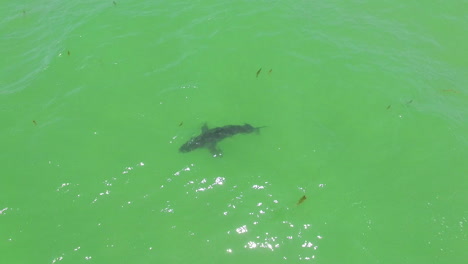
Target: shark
pixel 210 137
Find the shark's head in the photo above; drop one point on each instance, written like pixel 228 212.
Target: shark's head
pixel 190 145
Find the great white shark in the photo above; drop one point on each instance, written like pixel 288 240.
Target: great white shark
pixel 210 137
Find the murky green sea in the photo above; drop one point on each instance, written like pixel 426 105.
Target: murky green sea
pixel 364 103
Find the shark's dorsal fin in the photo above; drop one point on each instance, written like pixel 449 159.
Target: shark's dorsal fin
pixel 204 128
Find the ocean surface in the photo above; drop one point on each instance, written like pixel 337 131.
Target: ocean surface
pixel 361 158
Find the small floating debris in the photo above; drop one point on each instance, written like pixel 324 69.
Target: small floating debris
pixel 34 122
pixel 389 106
pixel 258 72
pixel 449 91
pixel 303 198
pixel 181 123
pixel 270 71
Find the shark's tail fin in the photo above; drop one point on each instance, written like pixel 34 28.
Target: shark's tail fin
pixel 257 129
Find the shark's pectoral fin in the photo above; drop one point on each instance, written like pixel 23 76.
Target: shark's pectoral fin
pixel 215 151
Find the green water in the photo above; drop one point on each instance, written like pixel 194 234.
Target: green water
pixel 365 106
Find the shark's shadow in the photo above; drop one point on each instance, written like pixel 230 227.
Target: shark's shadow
pixel 210 137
